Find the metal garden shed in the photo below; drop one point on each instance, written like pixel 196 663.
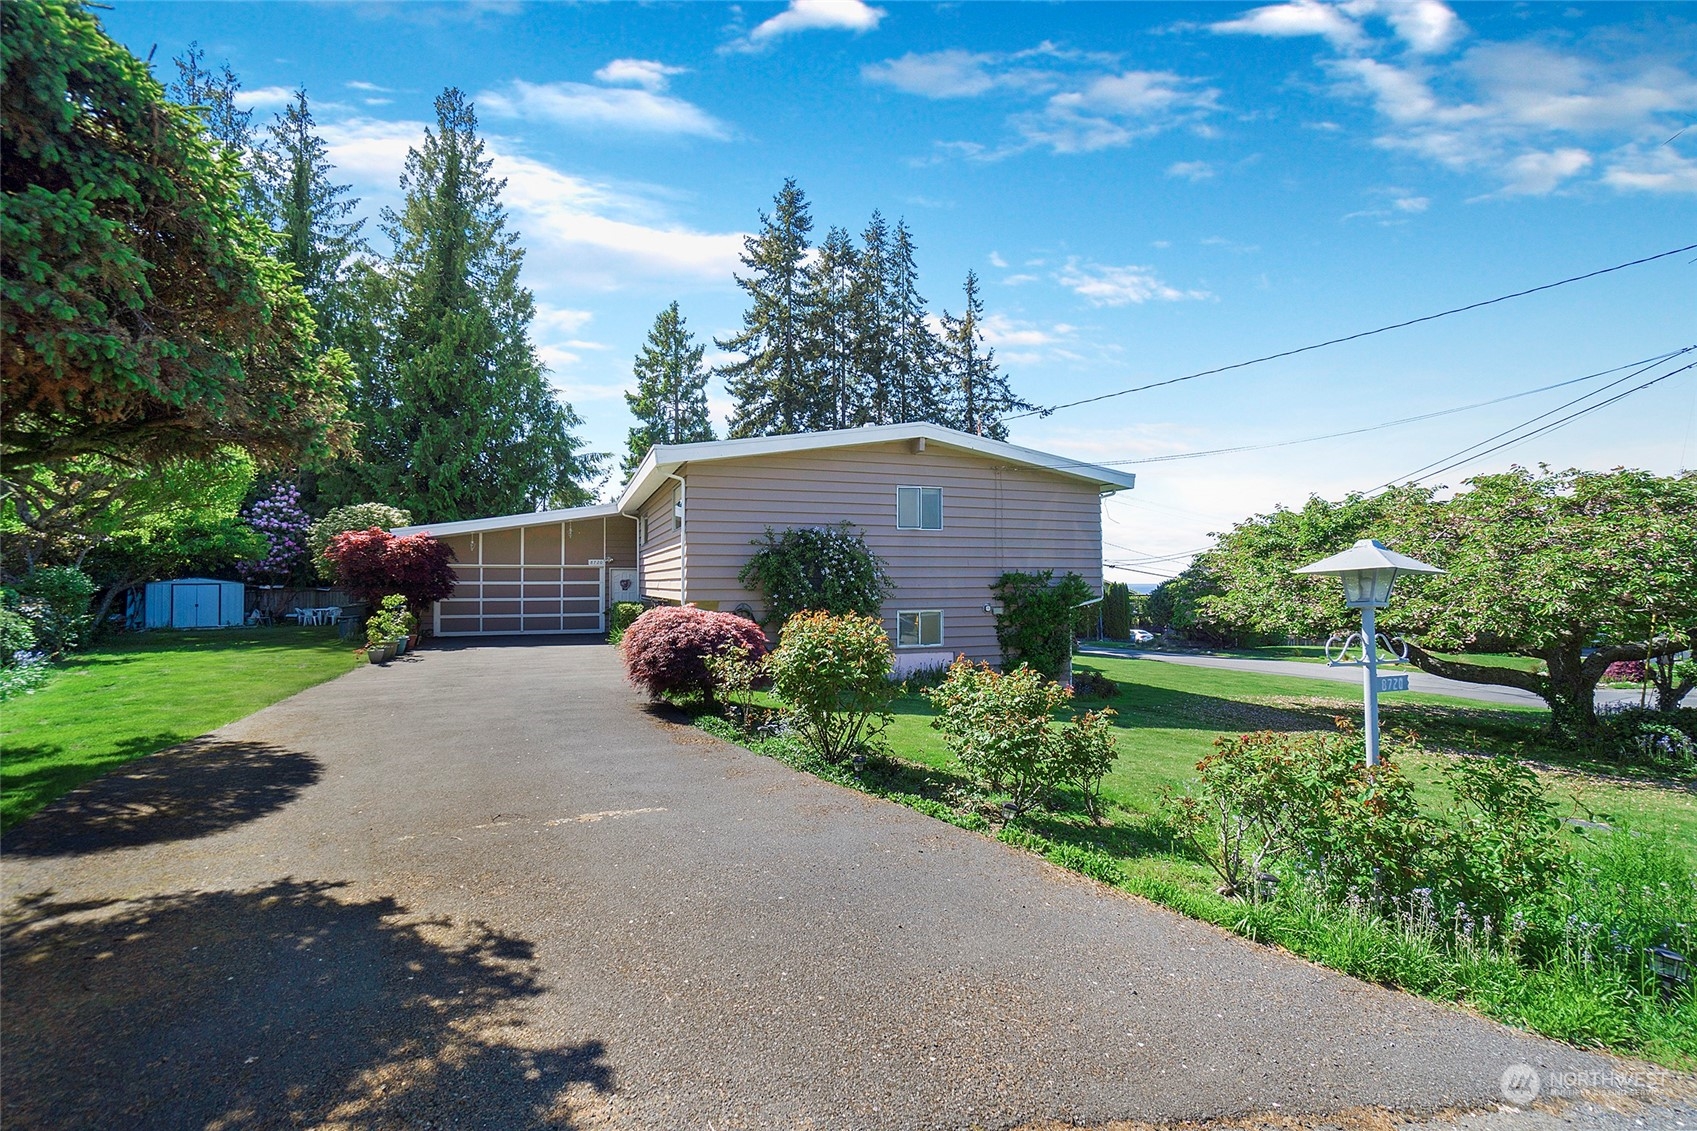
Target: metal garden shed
pixel 195 602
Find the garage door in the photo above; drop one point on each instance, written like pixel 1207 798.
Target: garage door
pixel 523 581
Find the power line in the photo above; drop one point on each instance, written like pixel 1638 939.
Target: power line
pixel 1554 424
pixel 1394 423
pixel 1051 409
pixel 1426 471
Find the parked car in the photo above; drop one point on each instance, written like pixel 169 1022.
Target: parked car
pixel 1142 636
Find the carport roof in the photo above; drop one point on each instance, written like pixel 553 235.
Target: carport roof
pixel 511 521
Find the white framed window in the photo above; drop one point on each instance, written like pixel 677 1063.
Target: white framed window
pixel 919 508
pixel 919 628
pixel 678 509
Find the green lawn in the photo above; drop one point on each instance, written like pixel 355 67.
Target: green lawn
pixel 1169 716
pixel 145 692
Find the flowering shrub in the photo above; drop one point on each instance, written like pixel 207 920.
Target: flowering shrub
pixel 833 674
pixel 1626 671
pixel 17 635
pixel 666 649
pixel 374 563
pixel 357 516
pixel 1000 726
pixel 25 672
pixel 391 621
pixel 277 516
pixel 820 568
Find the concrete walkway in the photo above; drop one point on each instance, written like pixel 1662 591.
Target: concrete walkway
pixel 1417 679
pixel 488 888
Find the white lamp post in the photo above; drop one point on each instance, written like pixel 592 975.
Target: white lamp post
pixel 1368 571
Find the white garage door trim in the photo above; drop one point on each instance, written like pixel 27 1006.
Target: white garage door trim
pixel 567 587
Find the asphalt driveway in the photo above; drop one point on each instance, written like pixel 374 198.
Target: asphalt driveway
pixel 488 888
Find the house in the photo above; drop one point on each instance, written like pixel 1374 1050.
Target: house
pixel 948 512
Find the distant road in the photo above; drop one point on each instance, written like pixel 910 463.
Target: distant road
pixel 1417 679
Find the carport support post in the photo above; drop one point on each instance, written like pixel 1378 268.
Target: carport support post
pixel 1370 682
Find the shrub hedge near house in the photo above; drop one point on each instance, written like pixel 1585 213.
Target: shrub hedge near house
pixel 665 649
pixel 833 674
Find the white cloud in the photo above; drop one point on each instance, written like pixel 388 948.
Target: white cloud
pixel 1087 103
pixel 576 230
pixel 265 97
pixel 939 74
pixel 368 87
pixel 1301 17
pixel 646 73
pixel 1410 203
pixel 1529 117
pixel 996 260
pixel 1427 26
pixel 1661 169
pixel 1004 332
pixel 1538 174
pixel 1192 171
pixel 579 104
pixel 811 15
pixel 555 320
pixel 1104 285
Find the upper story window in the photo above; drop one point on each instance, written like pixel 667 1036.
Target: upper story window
pixel 919 508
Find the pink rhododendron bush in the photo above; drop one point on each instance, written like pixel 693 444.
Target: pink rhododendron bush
pixel 666 649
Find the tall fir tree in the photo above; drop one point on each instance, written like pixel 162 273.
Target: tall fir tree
pixel 871 325
pixel 315 220
pixel 471 426
pixel 770 383
pixel 670 402
pixel 913 348
pixel 834 375
pixel 214 94
pixel 979 396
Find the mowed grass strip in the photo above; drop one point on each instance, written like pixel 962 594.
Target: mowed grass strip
pixel 140 694
pixel 1169 716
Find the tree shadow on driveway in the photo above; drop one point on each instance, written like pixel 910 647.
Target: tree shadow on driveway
pixel 193 790
pixel 280 1006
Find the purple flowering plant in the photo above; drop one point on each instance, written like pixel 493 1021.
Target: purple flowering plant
pixel 277 515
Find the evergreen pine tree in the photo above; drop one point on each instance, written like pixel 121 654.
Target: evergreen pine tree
pixel 979 395
pixel 872 329
pixel 472 427
pixel 314 218
pixel 913 348
pixel 769 384
pixel 670 402
pixel 834 377
pixel 214 92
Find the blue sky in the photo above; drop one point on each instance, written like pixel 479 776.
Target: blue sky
pixel 1146 190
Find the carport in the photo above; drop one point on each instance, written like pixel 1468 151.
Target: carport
pixel 548 572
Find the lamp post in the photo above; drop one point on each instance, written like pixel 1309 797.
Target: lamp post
pixel 1368 571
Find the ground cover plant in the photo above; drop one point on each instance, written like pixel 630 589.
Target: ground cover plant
pixel 140 693
pixel 1461 831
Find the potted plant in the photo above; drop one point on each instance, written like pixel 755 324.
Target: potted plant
pixel 386 628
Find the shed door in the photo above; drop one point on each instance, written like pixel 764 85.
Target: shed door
pixel 194 606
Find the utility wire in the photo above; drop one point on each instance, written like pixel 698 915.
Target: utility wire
pixel 1051 409
pixel 1426 471
pixel 1555 423
pixel 1394 423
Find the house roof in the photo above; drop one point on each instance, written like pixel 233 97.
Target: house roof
pixel 510 521
pixel 665 459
